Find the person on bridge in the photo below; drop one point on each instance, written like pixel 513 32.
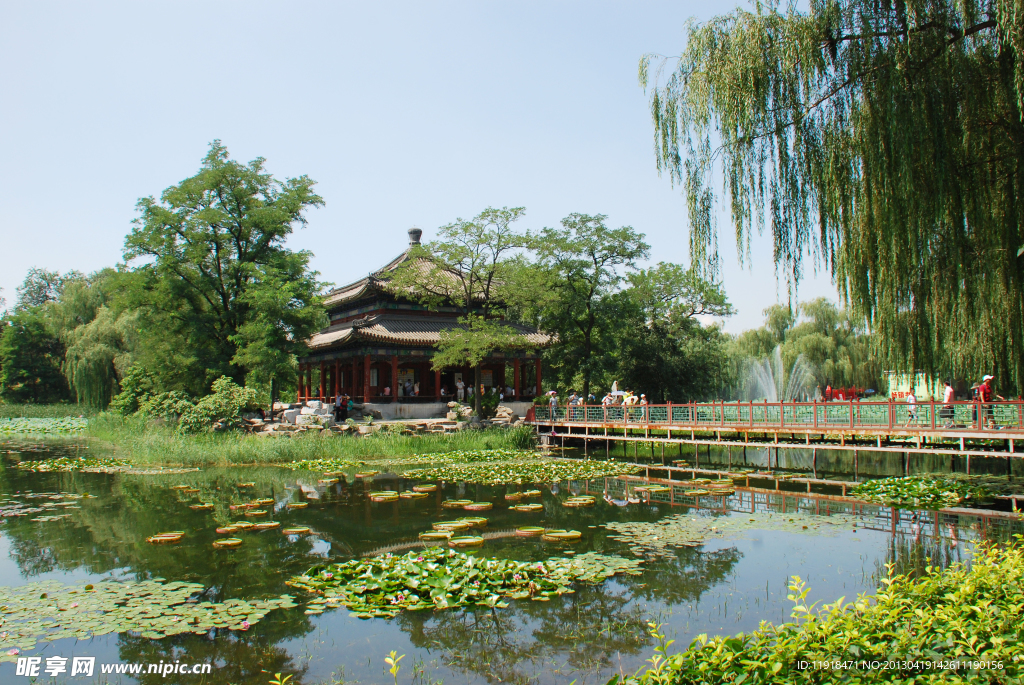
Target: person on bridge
pixel 947 403
pixel 985 393
pixel 911 407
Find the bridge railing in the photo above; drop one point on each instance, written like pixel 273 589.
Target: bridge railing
pixel 806 415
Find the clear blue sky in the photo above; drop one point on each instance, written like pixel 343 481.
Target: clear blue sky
pixel 405 113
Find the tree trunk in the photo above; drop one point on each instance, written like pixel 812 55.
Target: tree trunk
pixel 476 390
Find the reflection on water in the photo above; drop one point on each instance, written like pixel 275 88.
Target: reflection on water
pixel 725 585
pixel 827 463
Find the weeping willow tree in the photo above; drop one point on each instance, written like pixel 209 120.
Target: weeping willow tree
pixel 884 141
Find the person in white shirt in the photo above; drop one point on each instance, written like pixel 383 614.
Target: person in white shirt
pixel 948 395
pixel 460 390
pixel 911 408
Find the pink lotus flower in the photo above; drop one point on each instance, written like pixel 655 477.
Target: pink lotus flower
pixel 13 652
pixel 245 625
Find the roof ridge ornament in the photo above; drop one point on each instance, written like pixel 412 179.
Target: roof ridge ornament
pixel 414 236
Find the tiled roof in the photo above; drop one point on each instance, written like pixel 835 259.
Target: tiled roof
pixel 405 330
pixel 378 280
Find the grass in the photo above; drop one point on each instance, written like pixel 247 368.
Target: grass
pixel 146 443
pixel 45 411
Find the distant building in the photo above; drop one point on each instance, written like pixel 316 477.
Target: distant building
pixel 925 387
pixel 378 344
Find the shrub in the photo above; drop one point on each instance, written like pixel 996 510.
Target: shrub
pixel 224 405
pixel 488 405
pixel 136 387
pixel 956 615
pixel 169 406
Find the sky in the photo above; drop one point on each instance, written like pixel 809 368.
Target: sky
pixel 405 113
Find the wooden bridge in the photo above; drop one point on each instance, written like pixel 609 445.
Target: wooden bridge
pixel 959 428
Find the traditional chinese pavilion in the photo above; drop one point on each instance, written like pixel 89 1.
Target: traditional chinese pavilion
pixel 379 345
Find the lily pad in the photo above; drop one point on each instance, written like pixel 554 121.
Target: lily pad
pixel 50 610
pixel 437 578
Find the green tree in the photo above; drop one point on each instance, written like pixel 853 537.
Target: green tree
pixel 214 271
pixel 469 266
pixel 30 359
pixel 886 139
pixel 99 334
pixel 663 349
pixel 41 286
pixel 579 270
pixel 839 351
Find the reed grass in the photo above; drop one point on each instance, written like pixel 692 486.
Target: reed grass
pixel 60 410
pixel 146 442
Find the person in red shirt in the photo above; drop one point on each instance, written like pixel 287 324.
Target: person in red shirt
pixel 985 393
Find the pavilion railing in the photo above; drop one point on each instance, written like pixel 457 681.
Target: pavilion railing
pixel 824 416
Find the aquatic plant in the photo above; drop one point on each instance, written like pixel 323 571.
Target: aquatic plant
pixel 395 463
pixel 146 442
pixel 920 491
pixel 50 610
pixel 539 470
pixel 45 411
pixel 916 628
pixel 24 504
pixel 660 538
pixel 437 578
pixel 63 425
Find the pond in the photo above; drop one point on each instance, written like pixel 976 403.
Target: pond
pixel 711 564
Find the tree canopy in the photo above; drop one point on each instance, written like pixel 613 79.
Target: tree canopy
pixel 883 140
pixel 468 266
pixel 580 267
pixel 212 267
pixel 837 349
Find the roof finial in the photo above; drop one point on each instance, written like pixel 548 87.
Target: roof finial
pixel 414 236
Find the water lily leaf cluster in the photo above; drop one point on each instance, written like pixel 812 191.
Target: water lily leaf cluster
pixel 28 425
pixel 51 610
pixel 660 538
pixel 921 491
pixel 325 465
pixel 75 464
pixel 538 470
pixel 960 614
pixel 50 504
pixel 438 578
pixel 450 457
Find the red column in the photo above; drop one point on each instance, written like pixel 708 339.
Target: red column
pixel 352 380
pixel 337 372
pixel 437 384
pixel 538 377
pixel 309 380
pixel 366 378
pixel 394 376
pixel 298 392
pixel 515 379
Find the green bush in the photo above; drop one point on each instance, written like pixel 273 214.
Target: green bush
pixel 488 405
pixel 956 615
pixel 224 406
pixel 169 406
pixel 136 387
